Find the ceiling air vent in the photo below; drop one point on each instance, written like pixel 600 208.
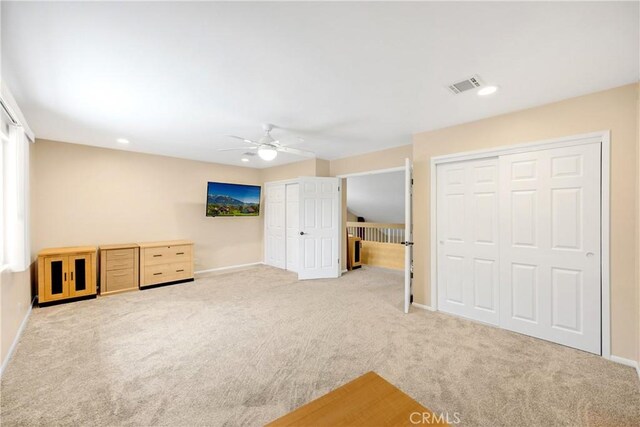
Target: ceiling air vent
pixel 249 153
pixel 473 82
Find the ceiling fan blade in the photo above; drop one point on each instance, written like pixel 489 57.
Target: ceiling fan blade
pixel 249 141
pixel 237 148
pixel 287 142
pixel 296 151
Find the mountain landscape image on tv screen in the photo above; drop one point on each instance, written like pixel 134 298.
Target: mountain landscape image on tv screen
pixel 232 199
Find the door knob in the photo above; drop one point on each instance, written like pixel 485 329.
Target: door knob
pixel 589 254
pixel 302 233
pixel 442 242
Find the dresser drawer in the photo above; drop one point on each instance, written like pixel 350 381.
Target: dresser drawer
pixel 118 264
pixel 118 280
pixel 167 272
pixel 120 255
pixel 167 255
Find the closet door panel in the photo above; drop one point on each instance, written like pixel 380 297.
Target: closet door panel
pixel 550 237
pixel 468 239
pixel 275 252
pixel 292 226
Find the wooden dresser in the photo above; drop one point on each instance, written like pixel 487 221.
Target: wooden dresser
pixel 164 262
pixel 119 268
pixel 65 273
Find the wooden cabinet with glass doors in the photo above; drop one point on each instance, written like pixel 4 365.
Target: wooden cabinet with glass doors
pixel 65 273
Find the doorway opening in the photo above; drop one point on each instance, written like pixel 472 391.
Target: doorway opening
pixel 378 227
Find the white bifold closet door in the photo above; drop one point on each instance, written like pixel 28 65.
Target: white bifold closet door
pixel 292 226
pixel 550 245
pixel 519 243
pixel 275 197
pixel 468 240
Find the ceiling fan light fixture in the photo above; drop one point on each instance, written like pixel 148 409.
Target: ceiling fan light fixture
pixel 267 153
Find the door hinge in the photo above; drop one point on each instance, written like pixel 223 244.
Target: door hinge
pixel 338 188
pixel 411 181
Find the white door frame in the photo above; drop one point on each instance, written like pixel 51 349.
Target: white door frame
pixel 372 172
pixel 602 137
pixel 408 263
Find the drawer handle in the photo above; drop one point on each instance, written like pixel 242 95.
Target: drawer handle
pixel 179 271
pixel 121 274
pixel 157 274
pixel 179 253
pixel 158 255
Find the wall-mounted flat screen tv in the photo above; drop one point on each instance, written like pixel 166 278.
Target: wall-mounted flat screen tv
pixel 232 199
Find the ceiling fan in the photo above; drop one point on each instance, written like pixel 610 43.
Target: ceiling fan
pixel 267 146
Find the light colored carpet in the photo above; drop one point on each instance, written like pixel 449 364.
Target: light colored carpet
pixel 246 347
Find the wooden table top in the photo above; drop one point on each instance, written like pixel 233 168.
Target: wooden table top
pixel 165 243
pixel 66 250
pixel 366 401
pixel 118 246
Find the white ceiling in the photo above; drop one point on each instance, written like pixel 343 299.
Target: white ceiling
pixel 175 77
pixel 378 197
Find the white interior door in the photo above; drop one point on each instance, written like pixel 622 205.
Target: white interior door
pixel 275 244
pixel 468 239
pixel 320 228
pixel 292 226
pixel 550 263
pixel 408 234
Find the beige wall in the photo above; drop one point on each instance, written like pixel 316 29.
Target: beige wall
pixel 323 167
pixel 99 196
pixel 614 109
pixel 385 159
pixel 92 196
pixel 289 171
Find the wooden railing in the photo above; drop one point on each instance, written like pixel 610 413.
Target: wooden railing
pixel 377 232
pixel 381 243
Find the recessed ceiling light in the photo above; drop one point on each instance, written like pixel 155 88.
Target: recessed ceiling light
pixel 487 90
pixel 122 141
pixel 244 159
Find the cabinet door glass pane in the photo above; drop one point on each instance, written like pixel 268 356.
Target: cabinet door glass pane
pixel 81 277
pixel 56 277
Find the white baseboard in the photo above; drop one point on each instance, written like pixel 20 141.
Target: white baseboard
pixel 627 362
pixel 422 306
pixel 5 362
pixel 229 267
pixel 623 361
